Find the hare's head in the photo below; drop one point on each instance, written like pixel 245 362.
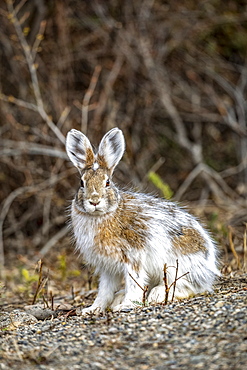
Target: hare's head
pixel 97 194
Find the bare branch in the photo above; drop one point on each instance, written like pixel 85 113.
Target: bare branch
pixel 25 190
pixel 87 97
pixel 19 102
pixel 14 148
pixel 188 181
pixel 33 72
pixel 104 96
pixel 53 241
pixel 38 39
pixel 63 116
pixel 234 170
pixel 160 83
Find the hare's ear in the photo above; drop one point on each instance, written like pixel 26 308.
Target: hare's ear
pixel 111 149
pixel 79 150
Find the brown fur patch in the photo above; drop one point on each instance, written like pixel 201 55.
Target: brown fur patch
pixel 124 231
pixel 94 180
pixel 101 161
pixel 189 242
pixel 89 157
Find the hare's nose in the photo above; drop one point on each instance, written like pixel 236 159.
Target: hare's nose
pixel 94 203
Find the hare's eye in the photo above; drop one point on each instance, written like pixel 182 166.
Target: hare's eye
pixel 107 183
pixel 82 184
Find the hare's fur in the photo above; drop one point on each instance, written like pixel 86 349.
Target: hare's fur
pixel 129 236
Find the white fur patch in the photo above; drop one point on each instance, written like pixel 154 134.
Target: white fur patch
pixel 95 166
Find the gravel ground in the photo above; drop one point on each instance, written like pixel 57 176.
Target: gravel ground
pixel 204 332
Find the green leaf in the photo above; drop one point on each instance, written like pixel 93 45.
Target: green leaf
pixel 25 274
pixel 160 184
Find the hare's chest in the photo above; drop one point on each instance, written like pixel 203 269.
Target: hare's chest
pixel 84 232
pixel 119 242
pixel 107 242
pixel 94 238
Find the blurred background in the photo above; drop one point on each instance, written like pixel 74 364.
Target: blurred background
pixel 171 74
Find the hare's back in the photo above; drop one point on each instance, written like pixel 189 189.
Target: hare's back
pixel 169 224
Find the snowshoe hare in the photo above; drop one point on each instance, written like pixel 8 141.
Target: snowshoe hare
pixel 128 236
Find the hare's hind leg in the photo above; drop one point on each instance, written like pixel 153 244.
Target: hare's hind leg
pixel 159 294
pixel 135 283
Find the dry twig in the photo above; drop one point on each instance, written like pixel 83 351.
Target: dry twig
pixel 230 238
pixel 245 249
pixel 41 282
pixel 145 290
pixel 168 287
pixel 166 284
